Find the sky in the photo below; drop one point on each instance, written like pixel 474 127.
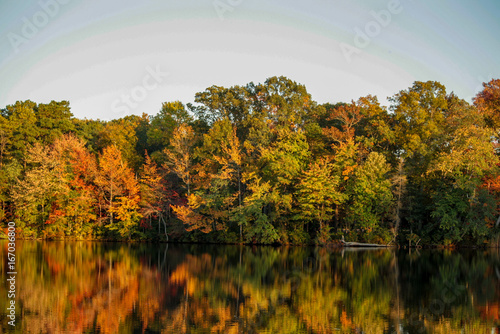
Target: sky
pixel 113 58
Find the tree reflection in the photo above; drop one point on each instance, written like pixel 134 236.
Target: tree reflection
pixel 79 287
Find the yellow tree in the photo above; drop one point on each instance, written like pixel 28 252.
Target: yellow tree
pixel 180 156
pixel 119 189
pixel 232 166
pixel 34 194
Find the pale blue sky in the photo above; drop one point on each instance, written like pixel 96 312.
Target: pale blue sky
pixel 111 58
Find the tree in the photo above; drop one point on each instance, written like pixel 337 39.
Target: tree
pixel 56 196
pixel 399 189
pixel 23 119
pixel 262 162
pixel 122 134
pixel 34 195
pixel 119 189
pixel 90 131
pixel 488 103
pixel 420 118
pixel 53 120
pixel 153 198
pixel 232 170
pixel 75 205
pixel 286 158
pixel 419 114
pixel 283 163
pixel 220 103
pixel 285 102
pixel 6 134
pixel 374 129
pixel 10 174
pixel 219 176
pixel 370 196
pixel 317 192
pixel 254 215
pixel 346 118
pixel 180 156
pixel 127 214
pixel 159 134
pixel 345 150
pixel 192 219
pixel 461 208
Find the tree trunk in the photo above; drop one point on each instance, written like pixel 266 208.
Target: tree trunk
pixel 239 202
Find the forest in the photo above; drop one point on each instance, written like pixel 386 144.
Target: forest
pixel 259 164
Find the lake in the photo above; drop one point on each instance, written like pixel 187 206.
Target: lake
pixel 93 287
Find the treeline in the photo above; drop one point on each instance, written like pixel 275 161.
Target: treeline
pixel 260 163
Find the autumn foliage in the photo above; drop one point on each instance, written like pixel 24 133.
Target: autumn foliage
pixel 260 163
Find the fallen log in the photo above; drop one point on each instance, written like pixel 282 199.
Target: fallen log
pixel 360 244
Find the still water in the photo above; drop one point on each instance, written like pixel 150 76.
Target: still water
pixel 86 287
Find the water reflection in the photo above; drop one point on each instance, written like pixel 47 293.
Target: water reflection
pixel 77 287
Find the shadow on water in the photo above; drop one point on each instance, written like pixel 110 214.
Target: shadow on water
pixel 77 287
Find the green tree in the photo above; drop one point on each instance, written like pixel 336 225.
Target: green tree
pixel 317 193
pixel 218 103
pixel 6 134
pixel 374 130
pixel 122 134
pixel 10 176
pixel 23 120
pixel 90 131
pixel 461 208
pixel 371 197
pixel 420 117
pixel 255 215
pixel 283 164
pixel 53 120
pixel 160 131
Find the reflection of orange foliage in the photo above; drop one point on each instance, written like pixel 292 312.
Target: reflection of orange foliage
pixel 185 273
pixel 84 291
pixel 344 320
pixel 120 305
pixel 202 314
pixel 197 310
pixel 180 274
pixel 54 266
pixel 491 311
pixel 149 308
pixel 108 308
